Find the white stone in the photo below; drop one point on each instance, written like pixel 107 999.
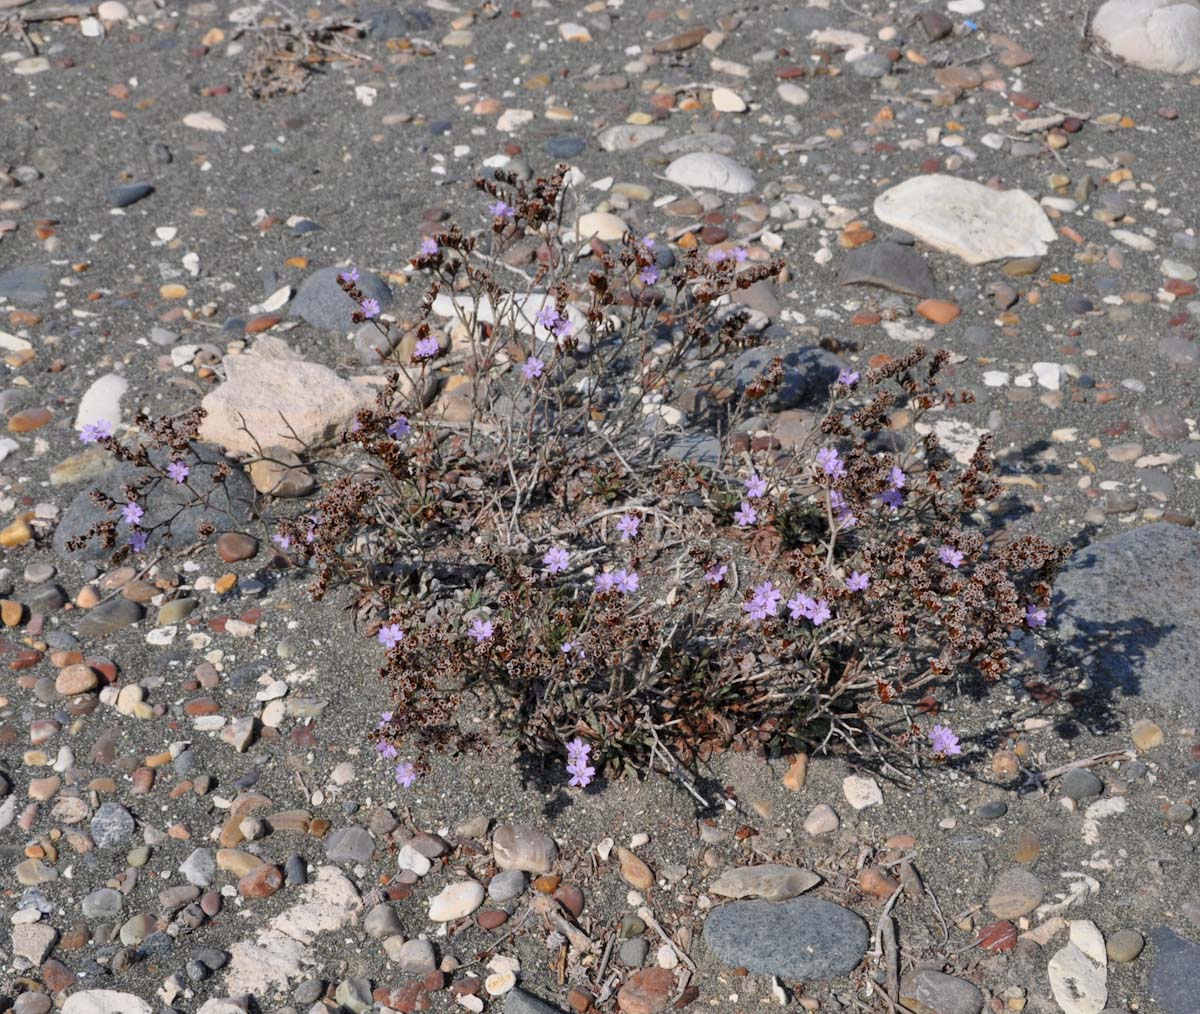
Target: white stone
pixel 862 791
pixel 499 983
pixel 839 38
pixel 995 378
pixel 967 219
pixel 726 100
pixel 92 28
pixel 101 402
pixel 627 136
pixel 105 1001
pixel 410 859
pixel 1049 375
pixel 571 32
pixel 205 121
pixel 822 820
pixel 792 94
pixel 1079 971
pixel 1177 269
pixel 604 225
pixel 1153 34
pixel 456 901
pixel 31 65
pixel 262 393
pixel 965 6
pixel 111 10
pixel 1133 239
pixel 511 119
pixel 707 170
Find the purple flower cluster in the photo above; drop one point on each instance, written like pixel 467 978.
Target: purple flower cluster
pixel 399 427
pixel 628 526
pixel 764 601
pixel 370 308
pixel 349 276
pixel 1034 617
pixel 429 246
pixel 132 514
pixel 549 318
pixel 500 210
pixel 738 253
pixel 847 377
pixel 390 635
pixel 944 741
pixel 555 560
pixel 648 275
pixel 92 432
pixel 624 581
pixel 716 574
pixel 532 368
pixel 842 513
pixel 405 774
pixel 806 607
pixel 577 763
pixel 829 462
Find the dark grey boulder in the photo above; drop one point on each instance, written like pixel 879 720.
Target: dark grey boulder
pixel 322 302
pixel 888 266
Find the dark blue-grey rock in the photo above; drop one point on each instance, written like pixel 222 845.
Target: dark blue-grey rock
pixel 807 373
pixel 111 826
pixel 567 146
pixel 1128 607
pixel 805 20
pixel 109 617
pixel 1173 975
pixel 26 284
pixel 804 938
pixel 872 65
pixel 128 193
pixel 226 505
pixel 323 304
pixel 396 24
pixel 701 449
pixel 935 992
pixel 517 1001
pixel 888 266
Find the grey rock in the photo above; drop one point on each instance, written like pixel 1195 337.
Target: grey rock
pixel 888 266
pixel 804 21
pixel 382 922
pixel 417 956
pixel 938 993
pixel 295 870
pixel 33 941
pixel 721 144
pixel 104 903
pixel 935 24
pixel 390 23
pixel 128 193
pixel 354 995
pixel 108 617
pixel 352 844
pixel 760 296
pixel 1129 607
pixel 633 952
pixel 226 508
pixel 807 373
pixel 309 992
pixel 199 868
pixel 372 345
pixel 26 284
pixel 1080 784
pixel 112 826
pixel 804 938
pixel 506 885
pixel 1173 975
pixel 872 65
pixel 564 146
pixel 701 449
pixel 322 303
pixel 517 1001
pixel 518 847
pixel 993 810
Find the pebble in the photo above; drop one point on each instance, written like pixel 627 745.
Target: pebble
pixel 706 170
pixel 1080 784
pixel 456 901
pixel 1124 945
pixel 518 847
pixel 862 791
pixel 129 193
pixel 1017 892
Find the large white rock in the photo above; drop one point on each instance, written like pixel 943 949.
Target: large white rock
pixel 1079 972
pixel 706 170
pixel 278 401
pixel 1154 34
pixel 974 222
pixel 102 402
pixel 104 1001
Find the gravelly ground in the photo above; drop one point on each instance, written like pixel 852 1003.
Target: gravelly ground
pixel 101 115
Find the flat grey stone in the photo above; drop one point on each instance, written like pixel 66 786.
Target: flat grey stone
pixel 227 508
pixel 104 903
pixel 722 144
pixel 1173 975
pixel 1129 607
pixel 111 826
pixel 26 284
pixel 323 304
pixel 807 373
pixel 928 990
pixel 800 939
pixel 128 193
pixel 518 1001
pixel 888 266
pixel 701 449
pixel 352 844
pixel 109 617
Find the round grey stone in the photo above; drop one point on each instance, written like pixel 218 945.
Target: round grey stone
pixel 323 303
pixel 1080 784
pixel 633 952
pixel 113 824
pixel 104 903
pixel 506 885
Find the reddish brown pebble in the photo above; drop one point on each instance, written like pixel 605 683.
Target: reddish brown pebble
pixel 1168 112
pixel 76 938
pixel 57 976
pixel 646 992
pixel 875 882
pixel 468 986
pixel 688 996
pixel 865 318
pixel 492 919
pixel 261 323
pixel 26 659
pixel 210 904
pixel 143 781
pixel 580 1000
pixel 261 882
pixel 940 311
pixel 201 706
pixel 29 419
pixel 571 898
pixel 434 981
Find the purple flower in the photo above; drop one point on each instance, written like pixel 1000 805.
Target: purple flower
pixel 764 602
pixel 481 630
pixel 892 498
pixel 391 635
pixel 628 527
pixel 92 432
pixel 847 520
pixel 820 612
pixel 426 348
pixel 829 462
pixel 716 256
pixel 606 581
pixel 950 556
pixel 563 328
pixel 137 541
pixel 1034 617
pixel 370 308
pixel 349 276
pixel 649 275
pixel 848 377
pixel 581 774
pixel 756 486
pixel 648 243
pixel 740 253
pixel 555 559
pixel 715 575
pixel 857 581
pixel 500 210
pixel 385 750
pixel 745 515
pixel 132 513
pixel 944 741
pixel 385 718
pixel 578 749
pixel 801 606
pixel 896 478
pixel 399 427
pixel 628 581
pixel 547 316
pixel 837 500
pixel 532 368
pixel 429 246
pixel 405 774
pixel 178 471
pixel 281 540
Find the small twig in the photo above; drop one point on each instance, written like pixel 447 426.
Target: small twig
pixel 647 917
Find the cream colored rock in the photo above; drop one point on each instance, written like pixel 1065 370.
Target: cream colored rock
pixel 456 901
pixel 1161 35
pixel 1079 972
pixel 726 100
pixel 967 219
pixel 603 225
pixel 104 1001
pixel 205 121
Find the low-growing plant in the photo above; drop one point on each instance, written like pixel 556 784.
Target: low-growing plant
pixel 519 527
